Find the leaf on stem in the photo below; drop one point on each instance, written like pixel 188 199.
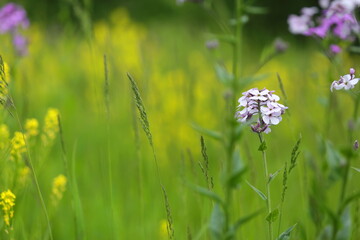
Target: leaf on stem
pixel 261 194
pixel 356 169
pixel 262 146
pixel 273 175
pixel 223 75
pixel 207 193
pixel 210 133
pixel 271 217
pixel 217 223
pixel 286 234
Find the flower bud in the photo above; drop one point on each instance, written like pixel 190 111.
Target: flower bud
pixel 356 145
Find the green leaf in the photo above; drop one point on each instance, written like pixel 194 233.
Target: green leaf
pixel 235 177
pixel 326 233
pixel 250 80
pixel 261 194
pixel 210 133
pixel 262 146
pixel 255 10
pixel 350 199
pixel 207 193
pixel 273 176
pixel 344 233
pixel 356 169
pixel 238 170
pixel 286 235
pixel 217 223
pixel 335 161
pixel 223 75
pixel 271 217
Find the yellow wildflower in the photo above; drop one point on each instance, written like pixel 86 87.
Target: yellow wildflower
pixel 18 145
pixel 7 200
pixel 163 231
pixel 23 175
pixel 32 127
pixel 51 126
pixel 58 188
pixel 4 135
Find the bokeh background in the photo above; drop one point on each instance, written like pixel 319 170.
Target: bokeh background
pixel 162 44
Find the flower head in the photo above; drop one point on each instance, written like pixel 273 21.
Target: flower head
pixel 18 145
pixel 58 188
pixel 346 82
pixel 263 103
pixel 13 18
pixel 32 127
pixel 7 200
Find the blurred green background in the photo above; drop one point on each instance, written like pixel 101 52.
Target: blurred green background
pixel 162 44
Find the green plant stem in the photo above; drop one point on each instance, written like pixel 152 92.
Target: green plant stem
pixel 232 123
pixel 42 202
pixel 268 196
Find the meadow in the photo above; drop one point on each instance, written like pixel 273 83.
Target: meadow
pixel 80 108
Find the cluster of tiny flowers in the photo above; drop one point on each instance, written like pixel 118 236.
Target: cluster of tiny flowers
pixel 336 18
pixel 51 126
pixel 32 127
pixel 263 103
pixel 12 18
pixel 8 202
pixel 4 136
pixel 346 82
pixel 58 188
pixel 18 145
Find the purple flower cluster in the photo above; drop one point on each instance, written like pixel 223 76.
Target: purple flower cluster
pixel 336 19
pixel 346 82
pixel 263 103
pixel 12 18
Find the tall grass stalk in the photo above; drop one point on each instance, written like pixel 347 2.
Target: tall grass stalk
pixel 139 165
pixel 42 202
pixel 75 207
pixel 110 178
pixel 146 127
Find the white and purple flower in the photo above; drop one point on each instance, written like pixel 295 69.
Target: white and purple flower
pixel 346 82
pixel 337 19
pixel 263 103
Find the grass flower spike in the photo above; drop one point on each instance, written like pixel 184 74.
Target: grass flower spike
pixel 346 82
pixel 263 103
pixel 8 202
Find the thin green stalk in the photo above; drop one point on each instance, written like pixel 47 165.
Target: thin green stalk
pixel 42 202
pixel 268 196
pixel 232 137
pixel 78 229
pixel 107 107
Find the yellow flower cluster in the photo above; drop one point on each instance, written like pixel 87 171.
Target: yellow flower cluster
pixel 7 200
pixel 32 127
pixel 51 126
pixel 58 188
pixel 24 174
pixel 4 135
pixel 18 145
